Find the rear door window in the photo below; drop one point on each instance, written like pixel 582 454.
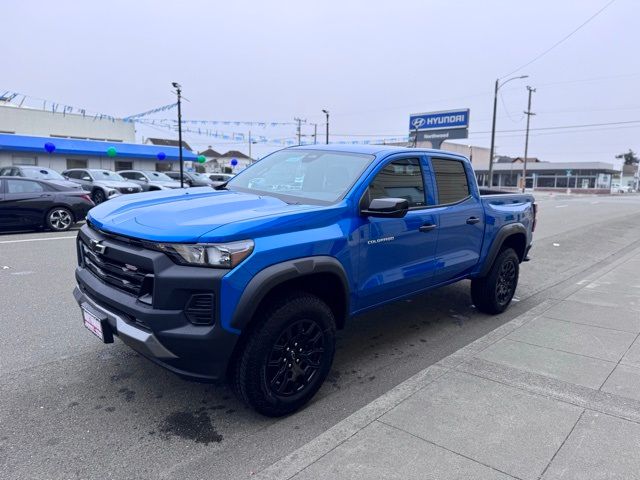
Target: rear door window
pixel 451 180
pixel 23 186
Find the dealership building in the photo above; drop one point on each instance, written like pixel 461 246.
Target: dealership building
pixel 579 177
pixel 60 140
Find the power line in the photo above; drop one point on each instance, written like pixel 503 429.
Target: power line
pixel 562 40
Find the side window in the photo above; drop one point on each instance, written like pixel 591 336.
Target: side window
pixel 399 179
pixel 73 174
pixel 129 175
pixel 27 186
pixel 451 180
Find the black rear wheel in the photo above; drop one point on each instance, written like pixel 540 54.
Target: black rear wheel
pixel 493 293
pixel 287 356
pixel 98 196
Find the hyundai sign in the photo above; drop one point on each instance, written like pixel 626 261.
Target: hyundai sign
pixel 435 127
pixel 439 120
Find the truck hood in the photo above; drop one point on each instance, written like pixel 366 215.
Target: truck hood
pixel 186 215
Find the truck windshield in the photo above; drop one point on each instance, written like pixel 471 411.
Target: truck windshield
pixel 313 175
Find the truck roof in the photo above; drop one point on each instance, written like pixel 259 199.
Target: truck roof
pixel 373 149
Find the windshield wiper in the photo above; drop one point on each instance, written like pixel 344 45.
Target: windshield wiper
pixel 222 186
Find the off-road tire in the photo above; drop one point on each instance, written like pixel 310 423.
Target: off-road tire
pixel 493 294
pixel 252 377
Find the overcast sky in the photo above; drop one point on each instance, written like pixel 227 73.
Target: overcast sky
pixel 371 63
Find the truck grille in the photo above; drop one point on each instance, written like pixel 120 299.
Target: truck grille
pixel 125 277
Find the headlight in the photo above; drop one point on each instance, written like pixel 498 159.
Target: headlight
pixel 219 255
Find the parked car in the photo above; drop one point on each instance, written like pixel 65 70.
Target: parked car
pixel 251 283
pixel 102 184
pixel 27 203
pixel 149 180
pixel 39 173
pixel 617 188
pixel 192 179
pixel 220 178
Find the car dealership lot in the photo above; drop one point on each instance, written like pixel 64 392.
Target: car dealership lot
pixel 75 408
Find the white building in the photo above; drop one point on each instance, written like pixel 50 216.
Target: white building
pixel 42 123
pixel 58 140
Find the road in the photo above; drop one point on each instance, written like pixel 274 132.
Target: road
pixel 75 408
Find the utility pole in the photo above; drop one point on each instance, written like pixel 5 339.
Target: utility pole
pixel 497 87
pixel 315 133
pixel 178 88
pixel 528 113
pixel 326 112
pixel 299 128
pixel 250 146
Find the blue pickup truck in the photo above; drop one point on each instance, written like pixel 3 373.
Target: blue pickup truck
pixel 249 281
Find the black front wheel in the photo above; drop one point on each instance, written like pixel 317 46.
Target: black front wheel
pixel 493 293
pixel 286 356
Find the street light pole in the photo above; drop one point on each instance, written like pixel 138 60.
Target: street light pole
pixel 315 133
pixel 178 88
pixel 526 141
pixel 497 87
pixel 326 112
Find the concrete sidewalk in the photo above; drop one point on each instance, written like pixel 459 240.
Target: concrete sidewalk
pixel 555 393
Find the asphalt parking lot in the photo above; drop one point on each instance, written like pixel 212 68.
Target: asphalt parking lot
pixel 75 408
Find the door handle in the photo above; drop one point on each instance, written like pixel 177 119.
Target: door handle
pixel 45 195
pixel 427 227
pixel 472 220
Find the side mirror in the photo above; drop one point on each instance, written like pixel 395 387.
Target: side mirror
pixel 87 179
pixel 387 207
pixel 144 179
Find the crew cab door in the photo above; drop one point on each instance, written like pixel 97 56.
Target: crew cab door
pixel 460 218
pixel 396 255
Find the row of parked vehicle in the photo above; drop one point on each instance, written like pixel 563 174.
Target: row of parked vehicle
pixel 38 197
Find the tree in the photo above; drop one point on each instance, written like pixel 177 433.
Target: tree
pixel 630 158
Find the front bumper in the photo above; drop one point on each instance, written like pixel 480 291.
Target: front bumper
pixel 156 324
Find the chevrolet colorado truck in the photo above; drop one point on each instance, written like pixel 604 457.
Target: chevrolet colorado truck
pixel 249 282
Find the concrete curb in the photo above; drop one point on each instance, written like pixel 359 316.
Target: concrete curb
pixel 292 464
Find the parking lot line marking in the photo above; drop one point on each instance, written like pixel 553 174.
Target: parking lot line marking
pixel 561 206
pixel 35 239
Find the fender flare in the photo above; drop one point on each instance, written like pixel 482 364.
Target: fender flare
pixel 265 280
pixel 504 233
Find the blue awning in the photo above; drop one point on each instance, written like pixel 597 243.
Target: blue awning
pixel 69 146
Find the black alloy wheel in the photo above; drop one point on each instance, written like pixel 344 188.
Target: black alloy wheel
pixel 493 293
pixel 286 355
pixel 506 284
pixel 295 358
pixel 98 197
